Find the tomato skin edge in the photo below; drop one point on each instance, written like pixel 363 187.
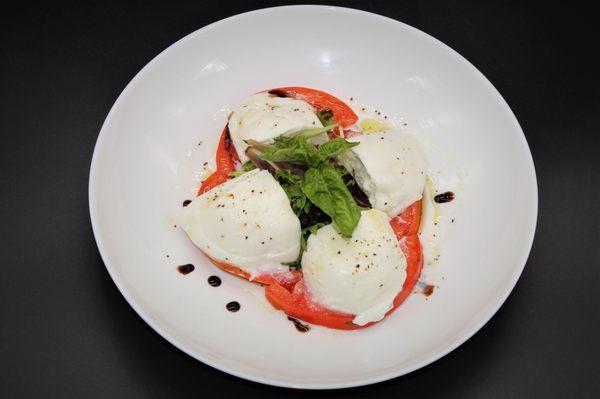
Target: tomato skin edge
pixel 225 160
pixel 321 100
pixel 285 280
pixel 408 221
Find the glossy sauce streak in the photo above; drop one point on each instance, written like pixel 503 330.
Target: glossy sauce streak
pixel 214 281
pixel 299 326
pixel 444 197
pixel 233 306
pixel 187 202
pixel 185 269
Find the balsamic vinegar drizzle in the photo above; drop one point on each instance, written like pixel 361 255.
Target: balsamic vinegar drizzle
pixel 214 281
pixel 299 326
pixel 444 197
pixel 233 306
pixel 185 269
pixel 187 202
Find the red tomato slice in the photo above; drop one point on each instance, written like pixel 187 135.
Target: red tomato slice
pixel 226 159
pixel 285 279
pixel 298 303
pixel 351 133
pixel 342 113
pixel 407 223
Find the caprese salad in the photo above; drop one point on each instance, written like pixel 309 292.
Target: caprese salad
pixel 320 207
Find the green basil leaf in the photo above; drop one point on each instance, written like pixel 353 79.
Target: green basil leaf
pixel 287 176
pixel 314 131
pixel 312 229
pixel 290 183
pixel 327 190
pixel 297 151
pixel 335 147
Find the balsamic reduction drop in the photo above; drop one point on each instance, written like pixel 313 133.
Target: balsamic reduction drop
pixel 444 197
pixel 214 281
pixel 185 269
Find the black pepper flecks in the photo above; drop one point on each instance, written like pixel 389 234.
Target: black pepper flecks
pixel 185 269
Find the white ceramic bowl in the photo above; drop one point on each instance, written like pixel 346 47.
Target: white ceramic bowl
pixel 143 168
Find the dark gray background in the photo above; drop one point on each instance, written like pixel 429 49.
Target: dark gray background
pixel 65 331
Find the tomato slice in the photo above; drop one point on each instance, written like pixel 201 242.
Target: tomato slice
pixel 298 303
pixel 285 279
pixel 407 223
pixel 351 133
pixel 226 160
pixel 321 100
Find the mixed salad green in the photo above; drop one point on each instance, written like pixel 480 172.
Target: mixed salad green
pixel 318 189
